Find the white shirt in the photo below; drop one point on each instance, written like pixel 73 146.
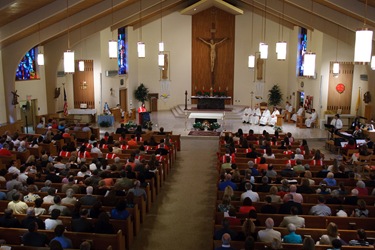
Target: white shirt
pixel 254 196
pixel 51 224
pixel 337 123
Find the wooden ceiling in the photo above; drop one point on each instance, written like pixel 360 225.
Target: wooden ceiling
pixel 22 18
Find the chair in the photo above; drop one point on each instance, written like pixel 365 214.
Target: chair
pixel 263 106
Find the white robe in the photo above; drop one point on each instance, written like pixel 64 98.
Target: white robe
pixel 299 113
pixel 273 118
pixel 286 109
pixel 255 117
pixel 310 120
pixel 265 117
pixel 247 113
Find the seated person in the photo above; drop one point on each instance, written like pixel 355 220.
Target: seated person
pixel 361 239
pixel 292 237
pixel 312 119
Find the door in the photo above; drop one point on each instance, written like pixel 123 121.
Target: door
pixel 124 99
pixel 28 115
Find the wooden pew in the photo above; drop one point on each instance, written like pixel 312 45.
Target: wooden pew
pixel 315 233
pixel 126 226
pixel 100 241
pixel 237 245
pixel 311 221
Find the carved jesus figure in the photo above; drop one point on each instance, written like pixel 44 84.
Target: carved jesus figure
pixel 212 45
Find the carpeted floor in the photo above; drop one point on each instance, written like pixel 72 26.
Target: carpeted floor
pixel 182 216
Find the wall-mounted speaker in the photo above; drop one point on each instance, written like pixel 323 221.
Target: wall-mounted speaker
pixel 121 82
pixel 363 77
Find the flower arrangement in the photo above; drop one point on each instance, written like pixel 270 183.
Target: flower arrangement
pixel 278 128
pixel 205 125
pixel 130 125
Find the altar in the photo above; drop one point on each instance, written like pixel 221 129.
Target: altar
pixel 211 102
pixel 84 115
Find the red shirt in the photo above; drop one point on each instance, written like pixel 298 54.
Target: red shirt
pixel 110 156
pixel 141 109
pixel 65 154
pixel 5 152
pixel 84 154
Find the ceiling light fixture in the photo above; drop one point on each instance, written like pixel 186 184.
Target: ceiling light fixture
pixel 161 43
pixel 310 57
pixel 281 45
pixel 112 44
pixel 363 42
pixel 336 64
pixel 141 47
pixel 40 53
pixel 251 59
pixel 68 55
pixel 263 46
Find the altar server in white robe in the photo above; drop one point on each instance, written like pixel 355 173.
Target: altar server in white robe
pixel 247 113
pixel 273 118
pixel 256 114
pixel 299 113
pixel 312 118
pixel 287 105
pixel 266 115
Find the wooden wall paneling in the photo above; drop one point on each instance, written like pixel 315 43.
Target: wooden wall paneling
pixel 336 100
pixel 83 82
pixel 202 24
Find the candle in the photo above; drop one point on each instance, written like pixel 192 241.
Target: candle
pixel 219 88
pixel 227 89
pixel 203 87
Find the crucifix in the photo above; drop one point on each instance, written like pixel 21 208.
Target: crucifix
pixel 211 42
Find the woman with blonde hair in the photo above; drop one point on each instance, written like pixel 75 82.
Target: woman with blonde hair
pixel 332 233
pixel 228 191
pixel 275 198
pixel 308 175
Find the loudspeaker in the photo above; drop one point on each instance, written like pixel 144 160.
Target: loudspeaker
pixel 121 82
pixel 110 73
pixel 363 77
pixel 60 73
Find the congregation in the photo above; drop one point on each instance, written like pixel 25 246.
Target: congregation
pixel 275 191
pixel 54 181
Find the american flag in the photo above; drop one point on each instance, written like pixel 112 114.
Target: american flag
pixel 65 104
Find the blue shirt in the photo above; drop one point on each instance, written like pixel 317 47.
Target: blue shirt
pixel 65 242
pixel 119 215
pixel 330 181
pixel 224 184
pixel 293 238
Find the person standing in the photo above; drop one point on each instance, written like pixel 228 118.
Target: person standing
pixel 337 124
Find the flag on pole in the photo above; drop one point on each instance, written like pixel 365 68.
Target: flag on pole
pixel 65 104
pixel 357 106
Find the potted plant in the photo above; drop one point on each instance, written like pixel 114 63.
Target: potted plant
pixel 141 93
pixel 275 96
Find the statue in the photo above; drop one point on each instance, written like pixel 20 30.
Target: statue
pixel 15 97
pixel 212 45
pixel 164 71
pixel 259 68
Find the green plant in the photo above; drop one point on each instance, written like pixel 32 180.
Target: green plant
pixel 275 96
pixel 141 93
pixel 130 125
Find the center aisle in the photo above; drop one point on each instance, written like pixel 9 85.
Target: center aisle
pixel 182 215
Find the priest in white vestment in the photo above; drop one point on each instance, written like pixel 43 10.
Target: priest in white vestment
pixel 273 118
pixel 246 116
pixel 312 118
pixel 266 115
pixel 299 113
pixel 256 114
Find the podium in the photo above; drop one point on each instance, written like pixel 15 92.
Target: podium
pixel 144 117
